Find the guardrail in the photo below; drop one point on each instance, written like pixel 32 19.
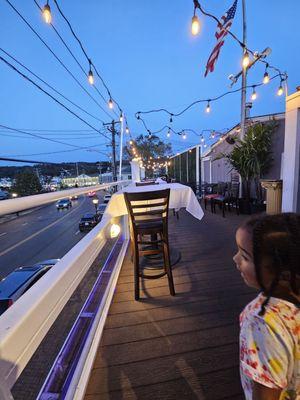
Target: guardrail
pixel 24 325
pixel 24 203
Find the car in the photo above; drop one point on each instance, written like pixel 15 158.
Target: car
pixel 88 221
pixel 106 198
pixel 101 209
pixel 14 285
pixel 74 197
pixel 63 203
pixel 4 195
pixel 91 194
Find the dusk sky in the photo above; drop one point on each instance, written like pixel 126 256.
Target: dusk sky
pixel 148 58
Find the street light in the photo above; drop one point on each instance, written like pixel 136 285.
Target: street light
pixel 95 202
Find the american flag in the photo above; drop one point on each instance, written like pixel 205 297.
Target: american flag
pixel 220 34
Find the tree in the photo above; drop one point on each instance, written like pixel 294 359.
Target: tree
pixel 149 149
pixel 252 157
pixel 27 183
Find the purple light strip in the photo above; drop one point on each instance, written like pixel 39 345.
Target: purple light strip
pixel 58 370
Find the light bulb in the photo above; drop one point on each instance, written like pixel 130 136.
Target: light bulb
pixel 184 135
pixel 280 90
pixel 168 134
pixel 110 104
pixel 47 14
pixel 246 60
pixel 254 94
pixel 127 129
pixel 91 77
pixel 114 230
pixel 195 25
pixel 131 142
pixel 171 119
pixel 121 117
pixel 266 78
pixel 207 107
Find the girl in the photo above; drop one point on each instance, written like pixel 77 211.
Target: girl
pixel 268 259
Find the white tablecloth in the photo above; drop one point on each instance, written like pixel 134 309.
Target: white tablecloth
pixel 181 196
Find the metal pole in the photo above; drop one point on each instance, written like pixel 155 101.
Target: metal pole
pixel 121 147
pixel 244 75
pixel 113 142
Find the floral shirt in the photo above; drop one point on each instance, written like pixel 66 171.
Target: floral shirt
pixel 270 347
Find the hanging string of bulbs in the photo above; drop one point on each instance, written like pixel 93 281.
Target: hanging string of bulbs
pixel 47 16
pixel 208 108
pixel 246 61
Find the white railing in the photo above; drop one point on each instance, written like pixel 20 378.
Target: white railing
pixel 24 203
pixel 24 325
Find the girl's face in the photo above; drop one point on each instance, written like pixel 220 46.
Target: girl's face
pixel 244 258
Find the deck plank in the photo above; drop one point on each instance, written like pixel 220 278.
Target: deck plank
pixel 182 347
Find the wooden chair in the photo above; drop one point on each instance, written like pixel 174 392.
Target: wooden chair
pixel 148 212
pixel 217 190
pixel 230 198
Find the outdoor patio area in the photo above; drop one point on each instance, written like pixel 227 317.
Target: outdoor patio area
pixel 182 347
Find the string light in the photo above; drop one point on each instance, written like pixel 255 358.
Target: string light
pixel 254 94
pixel 121 117
pixel 171 119
pixel 131 142
pixel 246 60
pixel 195 24
pixel 47 13
pixel 208 107
pixel 110 104
pixel 266 78
pixel 127 129
pixel 169 133
pixel 280 89
pixel 184 135
pixel 202 139
pixel 90 74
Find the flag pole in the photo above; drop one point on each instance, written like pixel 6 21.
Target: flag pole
pixel 244 74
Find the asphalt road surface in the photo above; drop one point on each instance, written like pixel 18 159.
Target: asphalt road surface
pixel 41 234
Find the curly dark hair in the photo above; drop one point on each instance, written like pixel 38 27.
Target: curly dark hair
pixel 276 242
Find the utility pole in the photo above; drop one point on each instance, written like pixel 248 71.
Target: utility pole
pixel 244 74
pixel 112 129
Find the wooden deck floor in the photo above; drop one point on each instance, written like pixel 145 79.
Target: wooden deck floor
pixel 182 347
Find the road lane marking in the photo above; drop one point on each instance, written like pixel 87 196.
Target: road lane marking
pixel 77 232
pixel 38 232
pixel 25 223
pixel 4 233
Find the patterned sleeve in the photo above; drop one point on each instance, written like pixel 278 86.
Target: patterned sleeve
pixel 266 352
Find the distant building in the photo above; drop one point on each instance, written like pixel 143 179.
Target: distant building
pixel 81 180
pixel 6 183
pixel 108 176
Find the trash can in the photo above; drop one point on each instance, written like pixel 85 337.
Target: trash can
pixel 274 195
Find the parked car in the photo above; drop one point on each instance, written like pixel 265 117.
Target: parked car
pixel 106 198
pixel 88 221
pixel 63 203
pixel 92 194
pixel 14 285
pixel 4 195
pixel 74 197
pixel 100 209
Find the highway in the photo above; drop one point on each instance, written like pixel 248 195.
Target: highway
pixel 42 234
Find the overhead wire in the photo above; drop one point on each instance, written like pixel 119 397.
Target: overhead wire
pixel 50 86
pixel 75 58
pixel 52 97
pixel 53 53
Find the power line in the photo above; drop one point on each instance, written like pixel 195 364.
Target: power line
pixel 51 87
pixel 57 58
pixel 26 161
pixel 74 57
pixel 59 151
pixel 85 53
pixel 61 137
pixel 45 138
pixel 52 97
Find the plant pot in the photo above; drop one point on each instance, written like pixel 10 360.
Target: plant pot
pixel 245 206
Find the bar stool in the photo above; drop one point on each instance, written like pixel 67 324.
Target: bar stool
pixel 148 212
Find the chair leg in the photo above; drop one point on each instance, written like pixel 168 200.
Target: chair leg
pixel 168 269
pixel 205 203
pixel 136 273
pixel 212 205
pixel 223 208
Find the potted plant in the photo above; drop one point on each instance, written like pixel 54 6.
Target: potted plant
pixel 252 158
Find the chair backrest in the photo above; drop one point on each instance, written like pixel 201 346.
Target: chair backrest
pixel 221 189
pixel 146 183
pixel 148 206
pixel 235 190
